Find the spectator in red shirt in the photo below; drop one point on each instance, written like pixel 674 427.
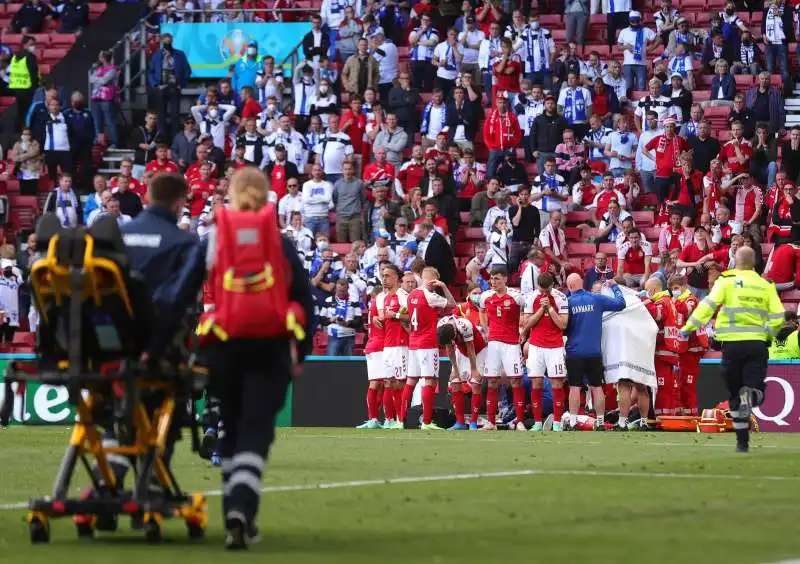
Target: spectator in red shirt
pixel 737 152
pixel 783 267
pixel 748 205
pixel 354 123
pixel 412 171
pixel 200 188
pixel 693 257
pixel 507 70
pixel 668 148
pixel 201 152
pixel 161 163
pixel 379 172
pixel 687 192
pixel 431 213
pixel 501 133
pixel 250 107
pixel 126 170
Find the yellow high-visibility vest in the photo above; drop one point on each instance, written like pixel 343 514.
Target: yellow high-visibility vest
pixel 19 75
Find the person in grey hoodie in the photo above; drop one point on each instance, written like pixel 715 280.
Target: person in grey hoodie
pixel 184 144
pixel 393 138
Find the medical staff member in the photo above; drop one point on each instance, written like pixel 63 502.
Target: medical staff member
pixel 750 314
pixel 584 355
pixel 252 364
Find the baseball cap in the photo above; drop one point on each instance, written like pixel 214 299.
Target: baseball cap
pixel 676 75
pixel 634 15
pixel 682 20
pixel 376 32
pixel 549 97
pixel 280 147
pixel 411 246
pixel 382 233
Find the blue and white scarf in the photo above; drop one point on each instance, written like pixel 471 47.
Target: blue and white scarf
pixel 678 64
pixel 747 54
pixel 574 106
pixel 426 118
pixel 691 128
pixel 638 46
pixel 67 208
pixel 449 59
pixel 415 50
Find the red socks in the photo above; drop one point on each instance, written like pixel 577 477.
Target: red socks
pixel 475 407
pixel 388 404
pixel 398 404
pixel 458 403
pixel 405 403
pixel 519 402
pixel 491 405
pixel 428 397
pixel 372 403
pixel 611 397
pixel 558 404
pixel 536 404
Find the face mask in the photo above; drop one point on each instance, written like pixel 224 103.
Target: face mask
pixel 676 293
pixel 636 25
pixel 534 25
pixel 322 245
pixel 168 46
pixel 32 49
pixel 212 114
pixel 308 80
pixel 323 90
pixel 252 51
pixel 270 107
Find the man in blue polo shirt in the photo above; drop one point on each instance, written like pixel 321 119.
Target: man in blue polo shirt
pixel 584 354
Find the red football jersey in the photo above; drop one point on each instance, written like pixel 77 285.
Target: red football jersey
pixel 423 309
pixel 634 258
pixel 156 167
pixel 467 331
pixel 502 314
pixel 199 191
pixel 133 186
pixel 376 334
pixel 546 333
pixel 395 335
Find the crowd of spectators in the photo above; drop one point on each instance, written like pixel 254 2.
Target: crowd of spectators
pixel 466 139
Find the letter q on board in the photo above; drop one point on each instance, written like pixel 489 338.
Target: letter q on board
pixel 788 403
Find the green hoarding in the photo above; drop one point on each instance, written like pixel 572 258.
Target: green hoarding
pixel 49 405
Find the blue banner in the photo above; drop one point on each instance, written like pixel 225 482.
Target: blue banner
pixel 213 47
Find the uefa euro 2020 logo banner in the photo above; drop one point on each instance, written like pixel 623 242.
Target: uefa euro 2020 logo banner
pixel 212 48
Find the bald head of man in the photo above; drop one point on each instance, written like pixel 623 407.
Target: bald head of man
pixel 745 258
pixel 574 282
pixel 653 286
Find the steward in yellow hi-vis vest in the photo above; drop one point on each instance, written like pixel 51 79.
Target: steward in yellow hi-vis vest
pixel 23 78
pixel 786 344
pixel 750 314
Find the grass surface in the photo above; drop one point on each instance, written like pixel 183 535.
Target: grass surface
pixel 403 497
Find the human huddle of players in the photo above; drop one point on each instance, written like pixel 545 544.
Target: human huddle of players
pixel 409 320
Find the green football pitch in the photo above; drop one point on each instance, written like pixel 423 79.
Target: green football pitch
pixel 339 495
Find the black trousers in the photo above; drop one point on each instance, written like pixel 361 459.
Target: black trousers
pixel 56 160
pixel 7 333
pixel 744 363
pixel 614 23
pixel 251 379
pixel 422 75
pixel 168 104
pixel 85 171
pixel 24 99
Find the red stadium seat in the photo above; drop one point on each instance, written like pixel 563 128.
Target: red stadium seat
pixel 341 248
pixel 581 249
pixel 465 249
pixel 579 217
pixel 609 249
pixel 643 218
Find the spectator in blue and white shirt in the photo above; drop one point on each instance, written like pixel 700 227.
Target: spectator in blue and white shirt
pixel 385 52
pixel 317 202
pixel 621 148
pixel 342 316
pixel 333 149
pixel 57 141
pixel 422 42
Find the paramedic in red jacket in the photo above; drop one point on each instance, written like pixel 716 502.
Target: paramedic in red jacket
pixel 252 364
pixel 692 348
pixel 660 305
pixel 501 133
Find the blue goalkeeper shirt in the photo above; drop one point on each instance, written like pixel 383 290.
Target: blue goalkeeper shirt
pixel 585 324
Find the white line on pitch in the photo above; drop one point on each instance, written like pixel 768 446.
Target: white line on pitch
pixel 488 475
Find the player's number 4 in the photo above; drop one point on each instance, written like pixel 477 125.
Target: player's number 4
pixel 414 323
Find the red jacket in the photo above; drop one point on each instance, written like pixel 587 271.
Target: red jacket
pixel 665 315
pixel 501 132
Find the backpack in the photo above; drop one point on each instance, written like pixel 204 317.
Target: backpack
pixel 249 280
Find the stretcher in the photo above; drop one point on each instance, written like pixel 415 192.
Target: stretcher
pixel 95 321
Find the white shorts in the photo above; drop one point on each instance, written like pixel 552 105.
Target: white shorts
pixel 463 370
pixel 423 363
pixel 543 361
pixel 395 362
pixel 376 369
pixel 503 359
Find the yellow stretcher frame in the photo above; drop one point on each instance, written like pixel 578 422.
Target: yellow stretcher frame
pixel 95 279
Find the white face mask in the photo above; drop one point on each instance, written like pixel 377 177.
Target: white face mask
pixel 676 293
pixel 32 49
pixel 252 51
pixel 308 80
pixel 212 114
pixel 322 245
pixel 323 89
pixel 270 107
pixel 534 25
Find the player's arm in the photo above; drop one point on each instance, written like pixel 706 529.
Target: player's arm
pixel 475 375
pixel 451 354
pixel 451 301
pixel 560 319
pixel 705 309
pixel 531 319
pixel 484 321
